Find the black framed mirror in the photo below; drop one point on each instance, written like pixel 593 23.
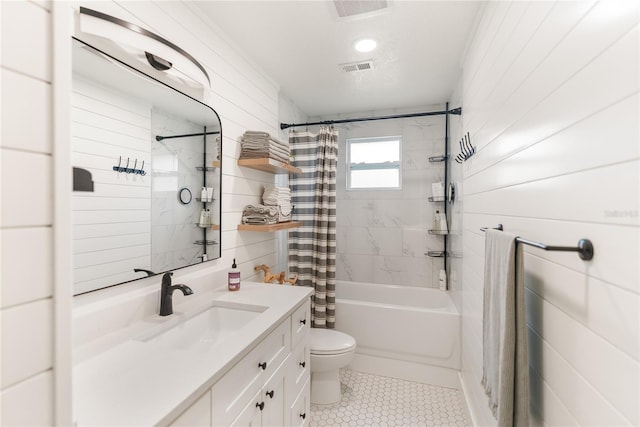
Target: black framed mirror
pixel 144 143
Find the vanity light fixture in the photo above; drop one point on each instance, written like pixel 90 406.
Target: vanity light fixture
pixel 144 46
pixel 365 45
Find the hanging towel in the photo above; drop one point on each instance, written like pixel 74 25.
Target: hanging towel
pixel 505 356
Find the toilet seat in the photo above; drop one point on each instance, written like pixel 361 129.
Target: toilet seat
pixel 329 341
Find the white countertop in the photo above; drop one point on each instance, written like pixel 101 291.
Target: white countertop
pixel 142 383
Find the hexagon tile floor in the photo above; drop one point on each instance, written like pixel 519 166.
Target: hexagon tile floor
pixel 372 400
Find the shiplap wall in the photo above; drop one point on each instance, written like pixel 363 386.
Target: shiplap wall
pixel 241 93
pixel 550 93
pixel 112 224
pixel 26 215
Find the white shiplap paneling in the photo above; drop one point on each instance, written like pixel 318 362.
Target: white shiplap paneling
pixel 552 106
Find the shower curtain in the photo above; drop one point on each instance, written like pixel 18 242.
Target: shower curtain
pixel 312 247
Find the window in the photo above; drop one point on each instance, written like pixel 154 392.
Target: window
pixel 373 163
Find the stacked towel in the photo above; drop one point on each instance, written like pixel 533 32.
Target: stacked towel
pixel 256 145
pixel 260 214
pixel 279 197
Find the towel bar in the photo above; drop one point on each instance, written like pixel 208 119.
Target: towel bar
pixel 584 247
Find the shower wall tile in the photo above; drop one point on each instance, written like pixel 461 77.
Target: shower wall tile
pixel 373 241
pixel 383 234
pixel 355 268
pixel 357 213
pixel 403 271
pixel 417 241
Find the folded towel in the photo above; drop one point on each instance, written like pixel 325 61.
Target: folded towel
pixel 260 214
pixel 505 355
pixel 258 219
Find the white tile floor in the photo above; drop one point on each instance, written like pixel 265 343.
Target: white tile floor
pixel 372 400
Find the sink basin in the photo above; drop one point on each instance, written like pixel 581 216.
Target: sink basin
pixel 207 328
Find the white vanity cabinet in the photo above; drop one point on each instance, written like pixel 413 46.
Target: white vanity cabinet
pixel 299 369
pixel 198 414
pixel 269 386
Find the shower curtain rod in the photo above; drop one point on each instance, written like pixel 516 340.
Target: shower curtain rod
pixel 160 138
pixel 456 111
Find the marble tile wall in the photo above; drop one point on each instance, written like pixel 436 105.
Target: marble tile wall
pixel 175 228
pixel 382 235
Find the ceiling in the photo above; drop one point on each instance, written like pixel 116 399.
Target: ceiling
pixel 301 44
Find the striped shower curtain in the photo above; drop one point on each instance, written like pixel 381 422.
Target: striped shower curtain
pixel 312 247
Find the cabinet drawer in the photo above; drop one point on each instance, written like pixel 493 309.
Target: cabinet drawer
pixel 235 389
pixel 300 323
pixel 301 408
pixel 299 369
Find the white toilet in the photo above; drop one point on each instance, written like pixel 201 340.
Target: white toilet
pixel 330 350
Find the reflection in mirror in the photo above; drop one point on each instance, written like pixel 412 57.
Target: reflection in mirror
pixel 144 143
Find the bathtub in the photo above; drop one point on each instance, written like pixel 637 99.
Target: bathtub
pixel 403 332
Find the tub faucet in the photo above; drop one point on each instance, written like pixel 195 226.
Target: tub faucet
pixel 166 294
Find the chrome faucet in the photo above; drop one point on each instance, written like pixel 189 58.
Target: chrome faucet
pixel 166 294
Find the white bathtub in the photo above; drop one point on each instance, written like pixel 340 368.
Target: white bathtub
pixel 400 331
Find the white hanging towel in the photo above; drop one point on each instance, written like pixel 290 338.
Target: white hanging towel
pixel 505 355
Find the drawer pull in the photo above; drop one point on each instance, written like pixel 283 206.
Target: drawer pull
pixel 303 364
pixel 303 415
pixel 260 405
pixel 303 321
pixel 263 365
pixel 270 394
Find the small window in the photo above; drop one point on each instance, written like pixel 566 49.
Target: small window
pixel 373 163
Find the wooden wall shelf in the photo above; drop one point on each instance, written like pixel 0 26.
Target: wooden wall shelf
pixel 269 227
pixel 269 165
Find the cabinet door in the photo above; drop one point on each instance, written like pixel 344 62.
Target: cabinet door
pixel 301 408
pixel 198 415
pixel 300 324
pixel 250 416
pixel 274 411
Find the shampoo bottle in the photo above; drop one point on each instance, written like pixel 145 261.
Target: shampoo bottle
pixel 203 194
pixel 234 277
pixel 203 219
pixel 442 223
pixel 442 280
pixel 435 225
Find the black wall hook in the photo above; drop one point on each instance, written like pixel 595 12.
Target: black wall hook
pixel 466 149
pixel 134 170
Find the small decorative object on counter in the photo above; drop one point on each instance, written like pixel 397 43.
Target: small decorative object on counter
pixel 281 278
pixel 234 277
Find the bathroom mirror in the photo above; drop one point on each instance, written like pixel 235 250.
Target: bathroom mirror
pixel 143 143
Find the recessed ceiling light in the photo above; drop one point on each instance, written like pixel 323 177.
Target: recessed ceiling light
pixel 365 45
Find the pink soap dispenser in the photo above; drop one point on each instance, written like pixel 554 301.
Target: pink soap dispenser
pixel 234 277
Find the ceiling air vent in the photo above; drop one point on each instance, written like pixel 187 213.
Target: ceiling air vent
pixel 347 8
pixel 357 66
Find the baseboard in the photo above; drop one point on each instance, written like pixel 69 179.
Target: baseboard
pixel 465 393
pixel 410 371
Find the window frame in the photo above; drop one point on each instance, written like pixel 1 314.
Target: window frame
pixel 373 166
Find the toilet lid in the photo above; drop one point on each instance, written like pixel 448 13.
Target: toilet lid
pixel 329 341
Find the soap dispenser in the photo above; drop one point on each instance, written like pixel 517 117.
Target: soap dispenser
pixel 234 277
